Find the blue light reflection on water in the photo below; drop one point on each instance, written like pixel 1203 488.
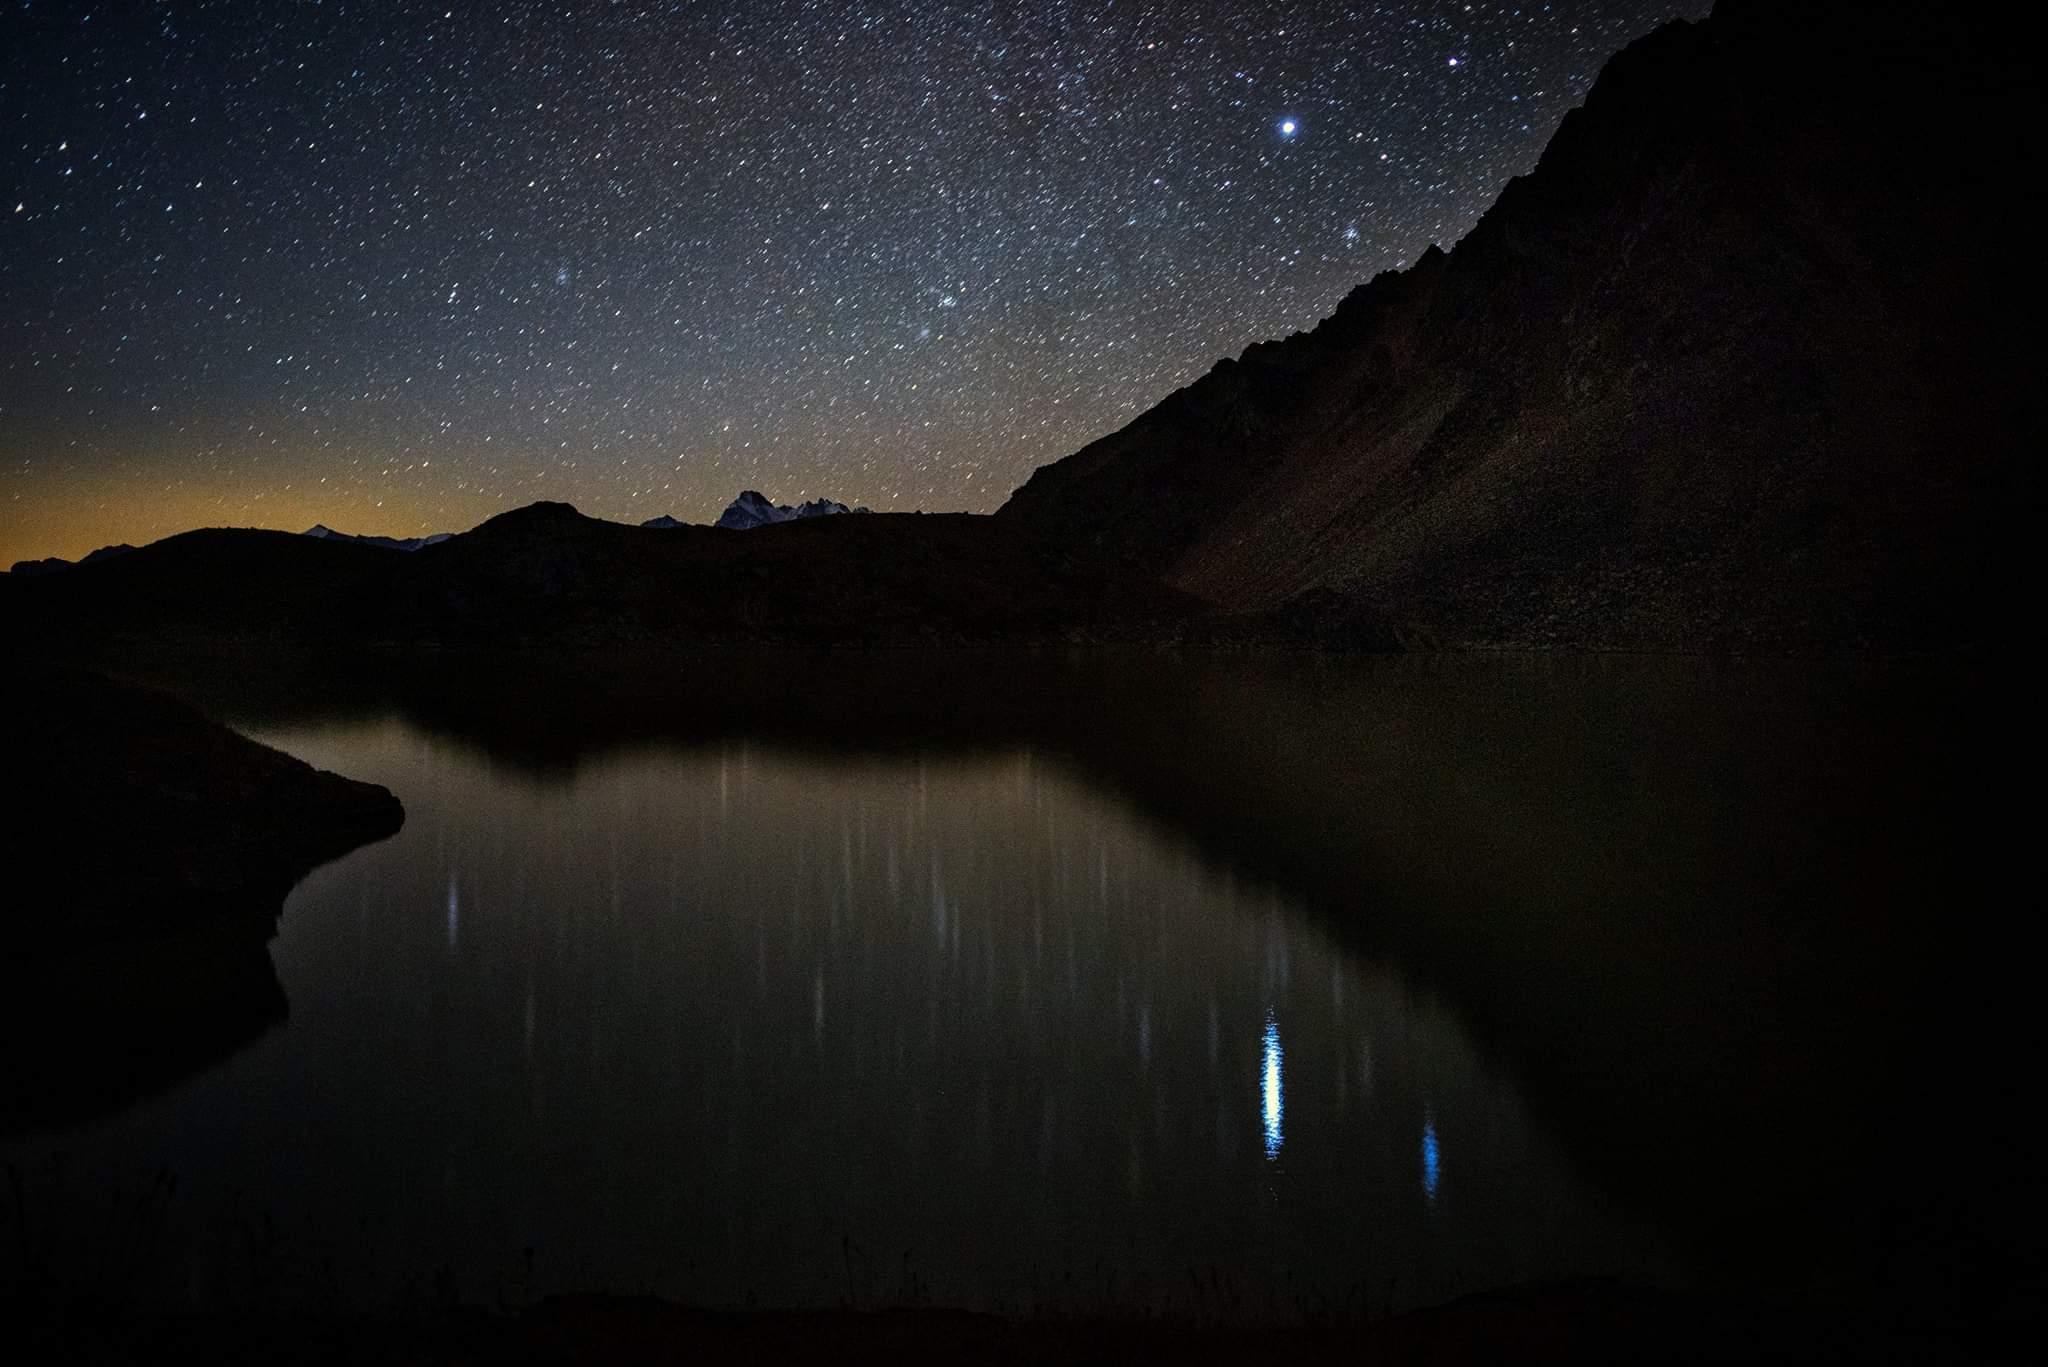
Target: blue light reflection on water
pixel 1432 1169
pixel 681 1032
pixel 1269 1088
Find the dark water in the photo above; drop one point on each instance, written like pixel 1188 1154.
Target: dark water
pixel 1016 983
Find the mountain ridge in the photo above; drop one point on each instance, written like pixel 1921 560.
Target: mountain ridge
pixel 1697 381
pixel 320 531
pixel 753 509
pixel 546 575
pixel 1731 370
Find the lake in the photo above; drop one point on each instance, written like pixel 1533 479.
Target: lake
pixel 1255 991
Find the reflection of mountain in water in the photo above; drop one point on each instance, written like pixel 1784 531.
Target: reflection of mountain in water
pixel 725 1004
pixel 1699 910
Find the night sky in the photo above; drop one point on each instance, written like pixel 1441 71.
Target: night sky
pixel 399 267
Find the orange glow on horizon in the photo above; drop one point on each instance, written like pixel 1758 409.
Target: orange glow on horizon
pixel 76 526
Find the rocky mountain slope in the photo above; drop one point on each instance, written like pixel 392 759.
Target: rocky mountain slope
pixel 1737 366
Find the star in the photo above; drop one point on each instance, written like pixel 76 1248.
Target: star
pixel 799 268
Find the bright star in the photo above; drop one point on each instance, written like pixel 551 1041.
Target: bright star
pixel 1288 127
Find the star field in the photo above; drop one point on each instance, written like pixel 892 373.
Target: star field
pixel 398 267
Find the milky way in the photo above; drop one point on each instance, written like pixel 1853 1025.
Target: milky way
pixel 398 267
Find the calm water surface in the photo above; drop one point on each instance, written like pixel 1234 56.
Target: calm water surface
pixel 1196 985
pixel 740 1024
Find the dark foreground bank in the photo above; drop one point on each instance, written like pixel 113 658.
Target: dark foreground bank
pixel 148 852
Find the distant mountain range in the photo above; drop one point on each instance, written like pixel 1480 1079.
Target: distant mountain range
pixel 54 563
pixel 389 543
pixel 547 575
pixel 752 509
pixel 1742 365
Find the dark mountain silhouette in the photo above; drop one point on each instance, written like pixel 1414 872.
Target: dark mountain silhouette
pixel 752 509
pixel 1735 366
pixel 1732 369
pixel 389 543
pixel 664 523
pixel 547 575
pixel 53 563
